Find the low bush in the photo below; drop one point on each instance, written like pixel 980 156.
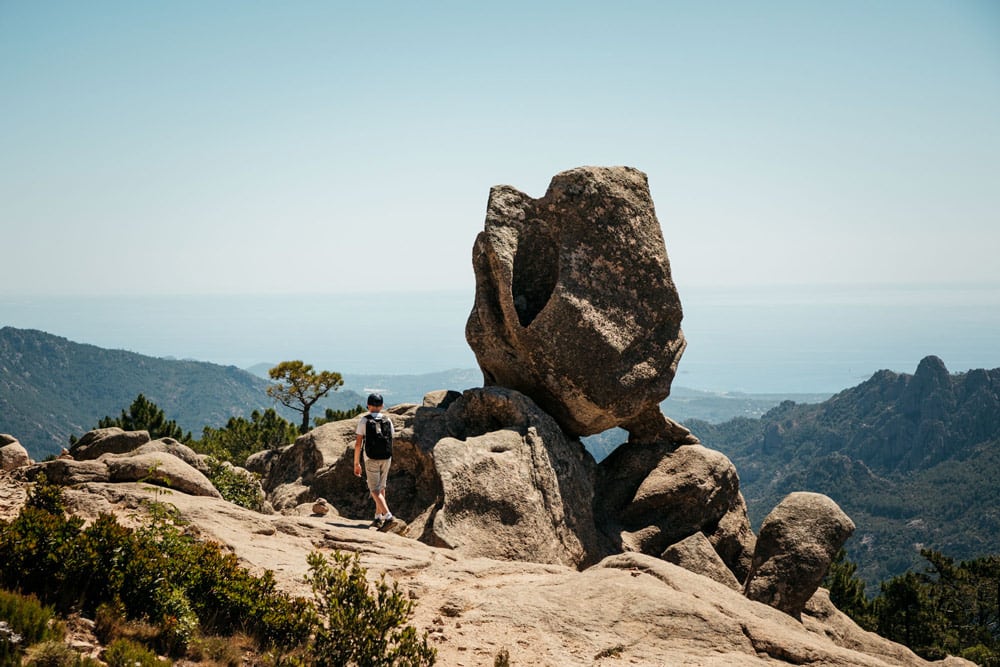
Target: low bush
pixel 357 626
pixel 127 653
pixel 240 487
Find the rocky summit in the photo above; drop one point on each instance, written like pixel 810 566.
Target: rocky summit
pixel 511 537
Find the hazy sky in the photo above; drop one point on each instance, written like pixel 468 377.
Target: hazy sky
pixel 217 147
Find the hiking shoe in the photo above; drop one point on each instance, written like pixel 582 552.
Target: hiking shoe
pixel 378 522
pixel 387 522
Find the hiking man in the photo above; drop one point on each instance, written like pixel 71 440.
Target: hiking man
pixel 375 434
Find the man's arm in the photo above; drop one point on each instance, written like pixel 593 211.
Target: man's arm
pixel 357 454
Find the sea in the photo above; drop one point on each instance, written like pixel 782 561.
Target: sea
pixel 749 339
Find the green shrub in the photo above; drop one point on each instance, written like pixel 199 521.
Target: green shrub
pixel 224 651
pixel 156 572
pixel 238 487
pixel 26 617
pixel 127 653
pixel 356 626
pixel 55 653
pixel 45 496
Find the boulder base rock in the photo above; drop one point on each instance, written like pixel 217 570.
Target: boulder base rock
pixel 652 496
pixel 113 440
pixel 797 542
pixel 575 305
pixel 697 554
pixel 12 454
pixel 162 470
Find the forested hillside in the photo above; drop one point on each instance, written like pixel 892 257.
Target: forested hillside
pixel 913 459
pixel 51 388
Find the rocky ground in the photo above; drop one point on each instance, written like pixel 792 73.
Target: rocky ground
pixel 630 609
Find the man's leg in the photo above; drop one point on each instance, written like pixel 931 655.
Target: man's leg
pixel 380 505
pixel 378 475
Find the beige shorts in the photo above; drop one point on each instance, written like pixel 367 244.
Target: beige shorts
pixel 377 472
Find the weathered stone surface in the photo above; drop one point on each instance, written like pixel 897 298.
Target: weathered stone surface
pixel 734 539
pixel 260 462
pixel 321 507
pixel 651 496
pixel 175 448
pixel 67 471
pixel 113 440
pixel 7 439
pixel 650 611
pixel 485 472
pixel 797 542
pixel 696 553
pixel 575 305
pixel 13 455
pixel 514 485
pixel 321 464
pixel 162 470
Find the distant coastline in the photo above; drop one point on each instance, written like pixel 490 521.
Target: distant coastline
pixel 777 339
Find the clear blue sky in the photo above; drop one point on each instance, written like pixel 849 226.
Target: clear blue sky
pixel 221 147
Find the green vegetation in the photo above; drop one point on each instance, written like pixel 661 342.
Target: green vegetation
pixel 298 387
pixel 241 437
pixel 332 415
pixel 358 627
pixel 24 621
pixel 238 486
pixel 144 415
pixel 157 590
pixel 53 388
pixel 947 609
pixel 155 573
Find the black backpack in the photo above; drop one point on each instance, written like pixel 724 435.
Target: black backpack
pixel 378 437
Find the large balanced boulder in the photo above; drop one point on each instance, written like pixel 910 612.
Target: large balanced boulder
pixel 797 542
pixel 575 305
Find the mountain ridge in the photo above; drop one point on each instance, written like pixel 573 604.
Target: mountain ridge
pixel 913 459
pixel 51 388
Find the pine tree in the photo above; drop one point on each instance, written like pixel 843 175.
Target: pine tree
pixel 144 415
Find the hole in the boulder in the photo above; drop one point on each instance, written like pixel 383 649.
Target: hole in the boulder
pixel 536 271
pixel 601 445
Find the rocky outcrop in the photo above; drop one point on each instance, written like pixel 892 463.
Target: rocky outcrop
pixel 12 453
pixel 115 455
pixel 113 440
pixel 162 470
pixel 639 608
pixel 67 472
pixel 797 542
pixel 485 472
pixel 514 486
pixel 576 281
pixel 697 554
pixel 652 496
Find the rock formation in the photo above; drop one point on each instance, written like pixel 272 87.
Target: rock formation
pixel 639 608
pixel 797 542
pixel 575 305
pixel 12 453
pixel 118 456
pixel 111 440
pixel 485 472
pixel 576 326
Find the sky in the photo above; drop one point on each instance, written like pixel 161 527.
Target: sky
pixel 338 147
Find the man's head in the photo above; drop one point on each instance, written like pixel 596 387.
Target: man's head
pixel 374 402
